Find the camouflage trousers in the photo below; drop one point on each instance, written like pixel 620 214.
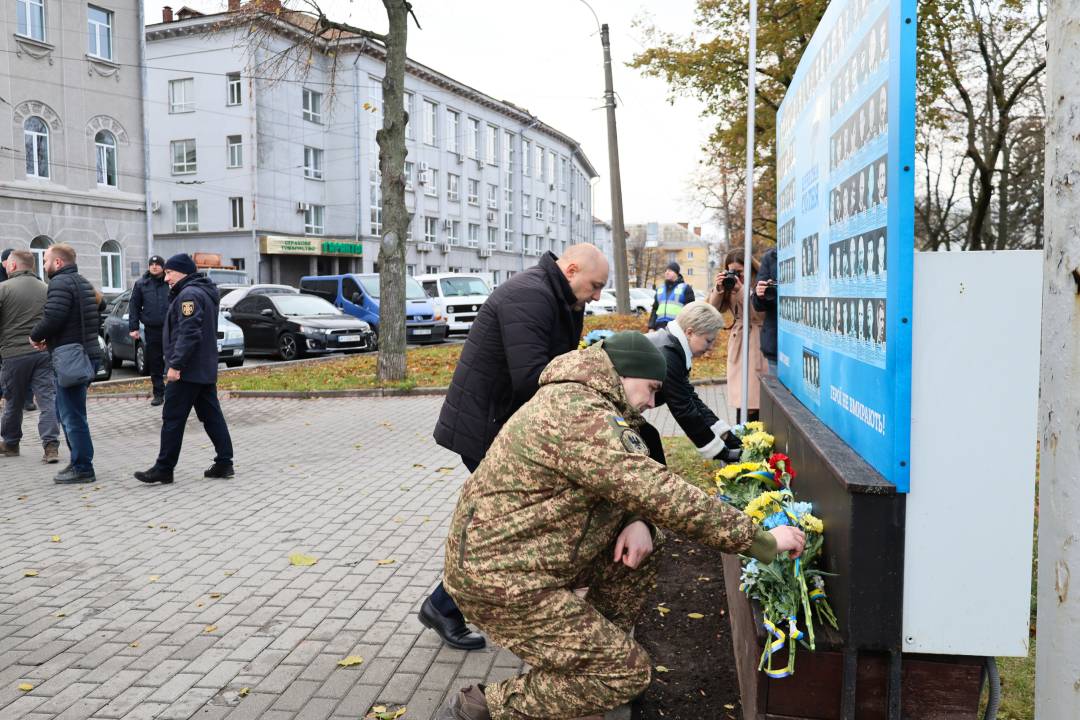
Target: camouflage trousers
pixel 582 656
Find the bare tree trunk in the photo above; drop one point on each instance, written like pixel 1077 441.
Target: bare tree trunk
pixel 392 151
pixel 1003 199
pixel 1057 664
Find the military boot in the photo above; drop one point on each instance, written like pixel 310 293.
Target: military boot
pixel 9 449
pixel 52 453
pixel 468 704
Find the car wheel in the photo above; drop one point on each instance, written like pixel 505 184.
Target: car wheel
pixel 106 369
pixel 140 359
pixel 374 338
pixel 110 356
pixel 288 348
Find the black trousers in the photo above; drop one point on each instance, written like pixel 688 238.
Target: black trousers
pixel 180 398
pixel 154 352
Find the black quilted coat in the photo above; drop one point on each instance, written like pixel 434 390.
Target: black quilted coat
pixel 524 324
pixel 62 323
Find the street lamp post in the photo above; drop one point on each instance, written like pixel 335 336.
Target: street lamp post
pixel 748 231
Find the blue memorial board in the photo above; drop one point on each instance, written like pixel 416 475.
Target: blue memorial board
pixel 845 228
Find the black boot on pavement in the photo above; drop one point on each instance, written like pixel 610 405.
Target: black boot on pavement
pixel 155 475
pixel 7 450
pixel 71 476
pixel 220 470
pixel 467 704
pixel 452 630
pixel 157 400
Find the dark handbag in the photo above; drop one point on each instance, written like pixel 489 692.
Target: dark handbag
pixel 71 362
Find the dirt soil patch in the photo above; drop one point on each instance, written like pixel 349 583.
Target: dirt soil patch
pixel 700 682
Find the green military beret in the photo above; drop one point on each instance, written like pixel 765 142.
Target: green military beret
pixel 634 356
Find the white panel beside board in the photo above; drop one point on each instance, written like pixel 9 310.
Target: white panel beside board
pixel 974 406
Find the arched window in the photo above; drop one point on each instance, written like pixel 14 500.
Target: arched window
pixel 36 137
pixel 112 277
pixel 105 142
pixel 38 246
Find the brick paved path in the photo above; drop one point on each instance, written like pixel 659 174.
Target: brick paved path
pixel 169 601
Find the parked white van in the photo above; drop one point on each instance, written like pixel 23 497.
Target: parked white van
pixel 456 297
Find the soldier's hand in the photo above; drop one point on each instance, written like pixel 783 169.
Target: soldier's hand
pixel 789 540
pixel 633 545
pixel 134 334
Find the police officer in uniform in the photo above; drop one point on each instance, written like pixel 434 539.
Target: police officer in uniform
pixel 192 360
pixel 148 305
pixel 568 497
pixel 671 298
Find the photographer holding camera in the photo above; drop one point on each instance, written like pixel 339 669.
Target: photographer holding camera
pixel 763 298
pixel 727 297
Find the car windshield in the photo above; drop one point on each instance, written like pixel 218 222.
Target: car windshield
pixel 413 291
pixel 302 305
pixel 462 286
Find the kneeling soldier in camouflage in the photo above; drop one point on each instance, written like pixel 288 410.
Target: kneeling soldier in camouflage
pixel 568 497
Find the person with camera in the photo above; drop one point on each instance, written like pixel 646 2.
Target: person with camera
pixel 763 298
pixel 727 296
pixel 671 298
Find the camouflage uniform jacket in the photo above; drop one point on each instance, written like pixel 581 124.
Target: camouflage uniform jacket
pixel 563 477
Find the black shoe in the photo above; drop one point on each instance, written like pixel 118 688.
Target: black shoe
pixel 71 476
pixel 730 455
pixel 7 450
pixel 220 470
pixel 157 400
pixel 155 475
pixel 452 630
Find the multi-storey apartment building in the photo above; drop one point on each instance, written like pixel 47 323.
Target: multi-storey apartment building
pixel 651 246
pixel 278 172
pixel 71 153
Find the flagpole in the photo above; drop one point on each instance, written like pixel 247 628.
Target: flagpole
pixel 751 96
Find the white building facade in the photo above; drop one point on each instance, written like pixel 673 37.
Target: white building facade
pixel 71 135
pixel 602 238
pixel 279 175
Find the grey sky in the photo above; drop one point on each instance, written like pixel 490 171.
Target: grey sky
pixel 547 57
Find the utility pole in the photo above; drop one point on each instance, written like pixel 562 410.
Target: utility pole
pixel 618 240
pixel 751 102
pixel 1057 664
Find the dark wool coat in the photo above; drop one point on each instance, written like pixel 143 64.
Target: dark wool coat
pixel 523 325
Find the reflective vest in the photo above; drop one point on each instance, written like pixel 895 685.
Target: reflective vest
pixel 670 302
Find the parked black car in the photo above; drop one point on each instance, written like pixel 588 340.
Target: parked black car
pixel 291 326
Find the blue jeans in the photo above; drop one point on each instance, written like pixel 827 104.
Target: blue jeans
pixel 71 407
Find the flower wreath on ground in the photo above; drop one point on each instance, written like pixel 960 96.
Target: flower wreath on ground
pixel 760 486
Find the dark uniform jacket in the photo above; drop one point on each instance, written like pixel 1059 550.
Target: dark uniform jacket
pixel 149 302
pixel 191 330
pixel 567 473
pixel 767 271
pixel 526 322
pixel 61 322
pixel 695 418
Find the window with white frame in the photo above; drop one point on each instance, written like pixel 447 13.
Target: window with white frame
pixel 452 182
pixel 492 196
pixel 508 219
pixel 495 278
pixel 689 254
pixel 474 191
pixel 313 163
pixel 105 146
pixel 508 153
pixel 453 232
pixel 406 101
pixel 526 204
pixel 30 19
pixel 526 157
pixel 551 167
pixel 431 229
pixel 430 122
pixel 182 95
pixel 473 138
pixel 539 164
pixel 234 146
pixel 233 89
pixel 99 28
pixel 112 276
pixel 453 129
pixel 312 106
pixel 314 217
pixel 492 237
pixel 491 141
pixel 564 215
pixel 526 242
pixel 409 167
pixel 563 174
pixel 539 214
pixel 183 157
pixel 236 212
pixel 186 216
pixel 474 235
pixel 431 188
pixel 551 211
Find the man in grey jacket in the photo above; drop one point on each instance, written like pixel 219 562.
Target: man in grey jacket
pixel 22 300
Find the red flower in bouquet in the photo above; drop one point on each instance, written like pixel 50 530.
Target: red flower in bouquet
pixel 781 464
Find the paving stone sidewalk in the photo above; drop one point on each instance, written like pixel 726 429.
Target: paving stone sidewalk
pixel 119 600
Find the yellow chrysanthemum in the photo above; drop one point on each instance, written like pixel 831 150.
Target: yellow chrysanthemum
pixel 759 439
pixel 754 426
pixel 730 472
pixel 812 524
pixel 764 505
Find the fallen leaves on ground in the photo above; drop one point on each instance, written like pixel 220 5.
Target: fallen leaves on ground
pixel 30 573
pixel 380 712
pixel 661 669
pixel 243 692
pixel 302 560
pixel 55 538
pixel 385 561
pixel 26 687
pixel 662 610
pixel 215 595
pixel 350 661
pixel 694 616
pixel 210 628
pixel 155 578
